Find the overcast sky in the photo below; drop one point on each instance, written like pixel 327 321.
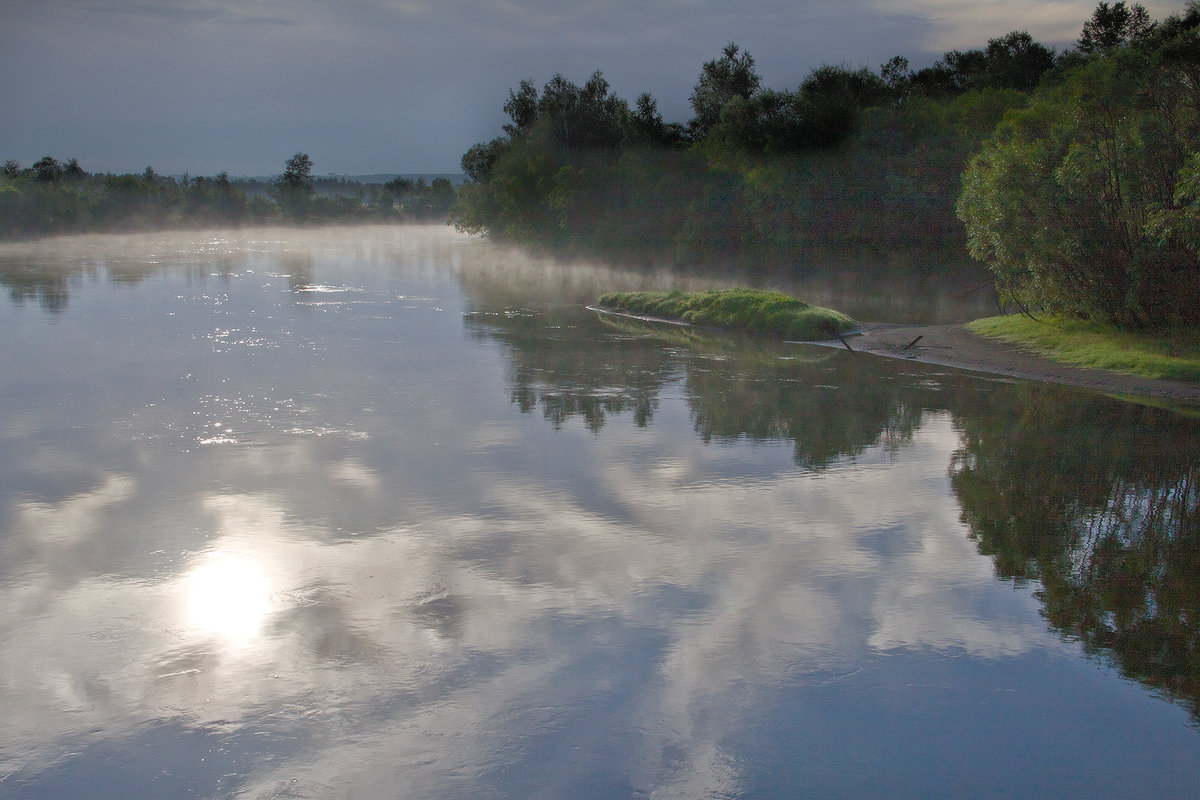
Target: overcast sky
pixel 370 86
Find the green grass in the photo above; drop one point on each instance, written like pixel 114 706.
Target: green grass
pixel 1172 353
pixel 750 310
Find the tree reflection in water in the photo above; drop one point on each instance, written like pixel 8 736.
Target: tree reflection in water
pixel 554 368
pixel 1057 486
pixel 1069 490
pixel 736 387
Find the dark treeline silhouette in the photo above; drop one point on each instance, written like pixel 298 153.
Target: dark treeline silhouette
pixel 848 157
pixel 863 159
pixel 54 197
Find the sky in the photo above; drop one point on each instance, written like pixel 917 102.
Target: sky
pixel 406 86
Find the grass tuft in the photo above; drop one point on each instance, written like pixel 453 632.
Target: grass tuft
pixel 750 310
pixel 1173 354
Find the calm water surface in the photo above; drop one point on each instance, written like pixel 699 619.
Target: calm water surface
pixel 387 513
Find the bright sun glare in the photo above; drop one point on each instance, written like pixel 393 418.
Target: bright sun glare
pixel 228 596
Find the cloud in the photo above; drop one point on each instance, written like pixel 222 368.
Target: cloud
pixel 944 25
pixel 409 85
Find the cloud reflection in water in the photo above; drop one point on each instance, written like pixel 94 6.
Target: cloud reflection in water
pixel 401 585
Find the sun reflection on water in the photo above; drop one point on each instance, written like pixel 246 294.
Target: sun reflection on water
pixel 228 596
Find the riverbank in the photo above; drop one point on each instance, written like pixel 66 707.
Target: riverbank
pixel 955 346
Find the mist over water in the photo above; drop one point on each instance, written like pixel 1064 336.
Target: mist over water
pixel 386 512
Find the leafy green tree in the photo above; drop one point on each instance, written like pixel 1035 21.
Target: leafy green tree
pixel 441 195
pixel 480 160
pixel 1012 61
pixel 522 108
pixel 967 69
pixel 399 187
pixel 11 168
pixel 897 76
pixel 1114 25
pixel 47 169
pixel 1071 202
pixel 1016 61
pixel 646 123
pixel 583 116
pixel 722 79
pixel 72 171
pixel 293 190
pixel 833 97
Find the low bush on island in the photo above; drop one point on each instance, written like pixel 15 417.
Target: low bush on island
pixel 749 310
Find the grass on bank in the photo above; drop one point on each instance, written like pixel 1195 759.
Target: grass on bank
pixel 750 310
pixel 1171 354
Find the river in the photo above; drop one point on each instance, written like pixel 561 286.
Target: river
pixel 386 512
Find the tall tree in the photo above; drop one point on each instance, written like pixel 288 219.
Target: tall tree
pixel 722 79
pixel 522 108
pixel 1016 61
pixel 1079 203
pixel 293 189
pixel 47 169
pixel 1113 26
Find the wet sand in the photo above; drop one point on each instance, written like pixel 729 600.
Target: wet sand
pixel 955 346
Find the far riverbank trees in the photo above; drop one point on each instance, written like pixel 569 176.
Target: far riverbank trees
pixel 847 158
pixel 1078 171
pixel 52 197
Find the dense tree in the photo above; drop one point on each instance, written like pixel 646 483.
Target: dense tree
pixel 1016 61
pixel 293 189
pixel 722 79
pixel 647 128
pixel 62 199
pixel 583 116
pixel 1114 25
pixel 47 169
pixel 1013 61
pixel 72 171
pixel 573 116
pixel 522 108
pixel 851 156
pixel 897 76
pixel 821 113
pixel 832 99
pixel 480 160
pixel 836 161
pixel 1077 203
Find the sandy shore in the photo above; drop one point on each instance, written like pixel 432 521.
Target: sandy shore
pixel 955 346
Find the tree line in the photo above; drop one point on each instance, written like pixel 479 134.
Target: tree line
pixel 1072 174
pixel 1084 200
pixel 55 197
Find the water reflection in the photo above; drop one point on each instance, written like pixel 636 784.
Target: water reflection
pixel 736 388
pixel 1064 488
pixel 548 557
pixel 227 596
pixel 548 369
pixel 1071 492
